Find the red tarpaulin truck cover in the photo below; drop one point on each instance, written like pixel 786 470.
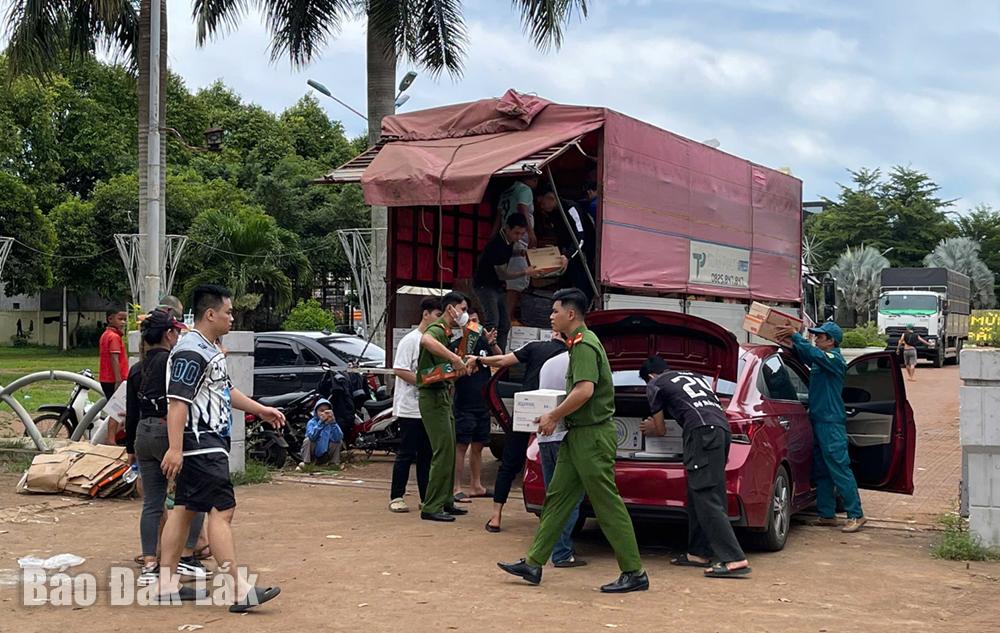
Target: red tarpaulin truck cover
pixel 676 216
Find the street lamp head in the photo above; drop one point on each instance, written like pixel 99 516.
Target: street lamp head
pixel 319 87
pixel 407 80
pixel 213 139
pixel 401 100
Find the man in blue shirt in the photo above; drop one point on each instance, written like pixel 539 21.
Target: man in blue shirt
pixel 831 462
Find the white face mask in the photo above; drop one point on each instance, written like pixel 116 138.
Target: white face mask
pixel 463 319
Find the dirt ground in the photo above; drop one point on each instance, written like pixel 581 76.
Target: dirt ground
pixel 392 572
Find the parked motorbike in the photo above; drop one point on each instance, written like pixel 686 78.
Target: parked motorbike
pixel 60 420
pixel 361 407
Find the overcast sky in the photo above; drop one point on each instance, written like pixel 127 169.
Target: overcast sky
pixel 819 87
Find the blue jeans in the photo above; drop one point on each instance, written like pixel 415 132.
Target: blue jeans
pixel 563 550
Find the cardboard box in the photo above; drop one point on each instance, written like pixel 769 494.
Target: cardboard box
pixel 763 321
pixel 437 373
pixel 547 258
pixel 670 444
pixel 521 336
pixel 629 434
pixel 531 405
pixel 470 337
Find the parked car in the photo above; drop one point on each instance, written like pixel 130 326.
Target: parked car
pixel 765 391
pixel 287 362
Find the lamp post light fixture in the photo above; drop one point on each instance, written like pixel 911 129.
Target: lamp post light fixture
pixel 320 88
pixel 213 139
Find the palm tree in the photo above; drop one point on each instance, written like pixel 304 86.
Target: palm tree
pixel 858 274
pixel 961 254
pixel 41 33
pixel 430 33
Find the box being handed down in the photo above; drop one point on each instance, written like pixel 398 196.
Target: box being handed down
pixel 763 321
pixel 530 405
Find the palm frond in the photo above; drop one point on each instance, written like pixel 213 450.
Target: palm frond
pixel 961 254
pixel 544 19
pixel 214 16
pixel 300 28
pixel 438 36
pixel 393 19
pixel 35 30
pixel 858 274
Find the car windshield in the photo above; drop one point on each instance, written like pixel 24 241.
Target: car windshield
pixel 907 304
pixel 349 349
pixel 630 378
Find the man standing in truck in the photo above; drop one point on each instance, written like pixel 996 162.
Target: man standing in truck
pixel 908 344
pixel 831 462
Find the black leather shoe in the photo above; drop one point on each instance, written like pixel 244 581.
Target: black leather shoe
pixel 455 511
pixel 523 569
pixel 444 517
pixel 628 581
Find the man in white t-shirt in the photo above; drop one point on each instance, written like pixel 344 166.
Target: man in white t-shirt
pixel 553 376
pixel 415 447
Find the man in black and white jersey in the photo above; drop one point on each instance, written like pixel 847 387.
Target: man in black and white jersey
pixel 201 398
pixel 689 399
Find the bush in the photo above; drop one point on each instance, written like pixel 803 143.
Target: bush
pixel 308 316
pixel 957 543
pixel 255 473
pixel 865 336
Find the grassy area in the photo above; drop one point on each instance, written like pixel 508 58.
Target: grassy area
pixel 255 473
pixel 20 361
pixel 957 543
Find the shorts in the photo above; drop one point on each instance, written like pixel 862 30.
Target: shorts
pixel 472 427
pixel 108 388
pixel 910 357
pixel 517 264
pixel 204 484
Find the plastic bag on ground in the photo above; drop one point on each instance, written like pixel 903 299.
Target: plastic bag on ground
pixel 60 562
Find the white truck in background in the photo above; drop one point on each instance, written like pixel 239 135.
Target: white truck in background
pixel 934 301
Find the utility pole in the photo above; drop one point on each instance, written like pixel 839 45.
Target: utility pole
pixel 150 293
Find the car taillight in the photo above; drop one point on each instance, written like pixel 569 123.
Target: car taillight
pixel 743 430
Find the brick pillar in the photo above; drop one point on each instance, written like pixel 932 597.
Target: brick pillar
pixel 980 437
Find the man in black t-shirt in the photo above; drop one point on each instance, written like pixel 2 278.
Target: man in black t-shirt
pixel 689 399
pixel 492 274
pixel 515 447
pixel 472 417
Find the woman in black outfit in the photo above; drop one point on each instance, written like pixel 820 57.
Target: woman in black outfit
pixel 146 441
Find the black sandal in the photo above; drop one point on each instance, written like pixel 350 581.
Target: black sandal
pixel 684 561
pixel 256 598
pixel 492 529
pixel 719 570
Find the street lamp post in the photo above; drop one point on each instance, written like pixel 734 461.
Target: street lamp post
pixel 150 294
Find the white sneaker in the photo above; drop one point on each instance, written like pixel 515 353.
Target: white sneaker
pixel 398 505
pixel 149 575
pixel 300 467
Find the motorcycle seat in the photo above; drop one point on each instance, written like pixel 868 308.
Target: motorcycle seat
pixel 282 400
pixel 377 406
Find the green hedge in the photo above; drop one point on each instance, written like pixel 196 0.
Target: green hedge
pixel 865 336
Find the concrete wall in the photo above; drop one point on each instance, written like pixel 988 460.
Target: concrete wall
pixel 44 334
pixel 980 438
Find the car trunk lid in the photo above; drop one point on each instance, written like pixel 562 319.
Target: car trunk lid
pixel 686 342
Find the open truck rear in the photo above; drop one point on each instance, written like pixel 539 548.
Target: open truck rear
pixel 679 225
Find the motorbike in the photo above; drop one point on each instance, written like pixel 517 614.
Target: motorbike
pixel 60 420
pixel 362 409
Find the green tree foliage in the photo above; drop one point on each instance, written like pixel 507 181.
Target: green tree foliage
pixel 27 270
pixel 858 274
pixel 308 316
pixel 961 254
pixel 900 211
pixel 982 224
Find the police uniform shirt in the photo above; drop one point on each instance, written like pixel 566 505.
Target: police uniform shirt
pixel 686 397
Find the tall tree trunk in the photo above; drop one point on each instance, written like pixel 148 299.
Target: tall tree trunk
pixel 142 90
pixel 381 102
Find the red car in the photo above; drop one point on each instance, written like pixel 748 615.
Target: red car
pixel 765 392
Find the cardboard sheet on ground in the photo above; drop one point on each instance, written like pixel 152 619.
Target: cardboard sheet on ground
pixel 81 468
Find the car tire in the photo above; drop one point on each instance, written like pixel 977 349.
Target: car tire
pixel 779 516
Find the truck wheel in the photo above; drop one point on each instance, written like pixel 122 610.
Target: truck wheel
pixel 779 516
pixel 958 353
pixel 939 358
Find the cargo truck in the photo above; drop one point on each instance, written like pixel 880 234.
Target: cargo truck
pixel 934 301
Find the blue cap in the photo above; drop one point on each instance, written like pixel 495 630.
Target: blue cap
pixel 831 329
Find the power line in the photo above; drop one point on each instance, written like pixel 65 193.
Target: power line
pixel 57 256
pixel 300 251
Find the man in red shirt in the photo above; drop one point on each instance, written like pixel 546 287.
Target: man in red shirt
pixel 114 358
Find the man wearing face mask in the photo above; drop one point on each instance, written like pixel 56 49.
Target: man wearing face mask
pixel 436 407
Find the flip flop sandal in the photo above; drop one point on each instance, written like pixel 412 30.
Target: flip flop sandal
pixel 200 554
pixel 462 498
pixel 492 529
pixel 185 594
pixel 684 561
pixel 257 598
pixel 488 493
pixel 719 570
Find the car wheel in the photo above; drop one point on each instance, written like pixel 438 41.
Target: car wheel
pixel 779 516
